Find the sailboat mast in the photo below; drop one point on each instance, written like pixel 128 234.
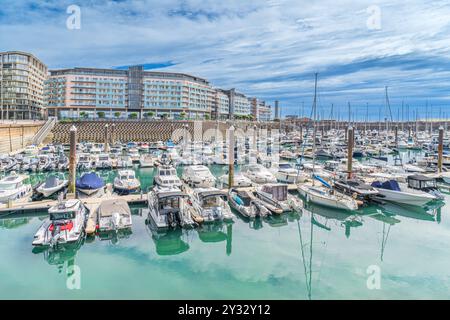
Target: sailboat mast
pixel 314 123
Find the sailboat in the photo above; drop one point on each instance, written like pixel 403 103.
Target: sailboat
pixel 324 194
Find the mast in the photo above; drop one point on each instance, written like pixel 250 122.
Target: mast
pixel 314 123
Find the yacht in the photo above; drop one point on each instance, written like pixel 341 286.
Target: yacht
pixel 210 204
pixel 258 174
pixel 198 176
pixel 126 182
pixel 169 208
pixel 14 187
pixel 276 195
pixel 89 183
pixel 244 201
pixel 327 197
pixel 52 185
pixel 65 225
pixel 166 176
pixel 113 215
pixel 393 191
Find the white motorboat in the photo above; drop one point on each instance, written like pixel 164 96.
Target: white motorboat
pixel 286 173
pixel 169 208
pixel 133 153
pixel 124 161
pixel 277 195
pixel 31 150
pixel 84 161
pixel 90 183
pixel 239 181
pixel 258 174
pixel 426 184
pixel 393 191
pixel 198 176
pixel 245 202
pixel 65 225
pixel 327 197
pixel 103 161
pixel 113 215
pixel 14 187
pixel 147 161
pixel 126 182
pixel 52 185
pixel 210 204
pixel 166 176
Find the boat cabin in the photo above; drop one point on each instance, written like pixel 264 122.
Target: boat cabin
pixel 421 182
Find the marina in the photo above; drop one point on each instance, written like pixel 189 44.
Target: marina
pixel 281 231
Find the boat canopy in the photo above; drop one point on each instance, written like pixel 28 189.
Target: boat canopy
pixel 108 207
pixel 420 177
pixel 388 185
pixel 213 193
pixel 51 182
pixel 90 181
pixel 173 194
pixel 278 191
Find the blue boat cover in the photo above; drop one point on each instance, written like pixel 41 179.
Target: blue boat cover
pixel 90 181
pixel 238 200
pixel 389 185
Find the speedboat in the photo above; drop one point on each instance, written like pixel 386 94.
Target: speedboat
pixel 126 182
pixel 89 183
pixel 124 161
pixel 425 184
pixel 198 176
pixel 327 197
pixel 276 195
pixel 210 204
pixel 113 215
pixel 391 190
pixel 245 202
pixel 258 173
pixel 14 187
pixel 166 176
pixel 286 173
pixel 84 162
pixel 133 153
pixel 65 225
pixel 169 208
pixel 52 185
pixel 239 180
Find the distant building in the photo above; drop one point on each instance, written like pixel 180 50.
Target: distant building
pixel 238 104
pixel 260 110
pixel 22 78
pixel 161 94
pixel 277 110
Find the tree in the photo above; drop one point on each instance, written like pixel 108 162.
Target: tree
pixel 117 114
pixel 83 115
pixel 182 115
pixel 164 116
pixel 150 114
pixel 207 117
pixel 101 114
pixel 133 115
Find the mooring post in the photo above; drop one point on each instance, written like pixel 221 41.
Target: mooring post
pixel 72 159
pixel 113 127
pixel 440 148
pixel 230 157
pixel 106 147
pixel 350 151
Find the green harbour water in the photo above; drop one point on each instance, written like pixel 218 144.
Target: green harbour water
pixel 322 254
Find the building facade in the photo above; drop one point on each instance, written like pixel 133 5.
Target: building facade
pixel 22 78
pixel 93 93
pixel 260 110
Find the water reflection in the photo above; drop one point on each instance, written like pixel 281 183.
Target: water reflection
pixel 429 213
pixel 13 223
pixel 217 232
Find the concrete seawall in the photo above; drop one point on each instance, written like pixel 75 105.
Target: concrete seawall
pixel 14 136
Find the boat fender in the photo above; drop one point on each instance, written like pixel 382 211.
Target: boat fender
pixel 354 195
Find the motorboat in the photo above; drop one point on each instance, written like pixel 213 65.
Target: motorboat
pixel 169 207
pixel 166 176
pixel 244 201
pixel 133 153
pixel 286 173
pixel 356 188
pixel 426 184
pixel 276 195
pixel 113 215
pixel 198 176
pixel 103 161
pixel 84 162
pixel 258 173
pixel 391 190
pixel 62 163
pixel 31 150
pixel 52 185
pixel 326 196
pixel 239 180
pixel 147 161
pixel 124 161
pixel 210 204
pixel 65 224
pixel 126 182
pixel 89 183
pixel 14 187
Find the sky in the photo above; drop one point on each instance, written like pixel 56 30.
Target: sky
pixel 269 49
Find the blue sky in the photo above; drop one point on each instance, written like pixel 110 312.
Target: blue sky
pixel 269 49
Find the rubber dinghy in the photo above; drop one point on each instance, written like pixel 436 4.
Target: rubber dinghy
pixel 89 183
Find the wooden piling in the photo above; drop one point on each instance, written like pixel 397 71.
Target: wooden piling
pixel 72 159
pixel 230 157
pixel 106 147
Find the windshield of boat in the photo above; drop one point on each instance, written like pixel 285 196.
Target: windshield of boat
pixel 9 186
pixel 285 166
pixel 169 203
pixel 62 215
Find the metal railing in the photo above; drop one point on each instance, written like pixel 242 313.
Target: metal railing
pixel 44 131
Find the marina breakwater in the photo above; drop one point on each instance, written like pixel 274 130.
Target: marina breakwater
pixel 17 135
pixel 151 131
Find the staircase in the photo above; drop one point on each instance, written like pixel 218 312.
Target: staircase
pixel 44 131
